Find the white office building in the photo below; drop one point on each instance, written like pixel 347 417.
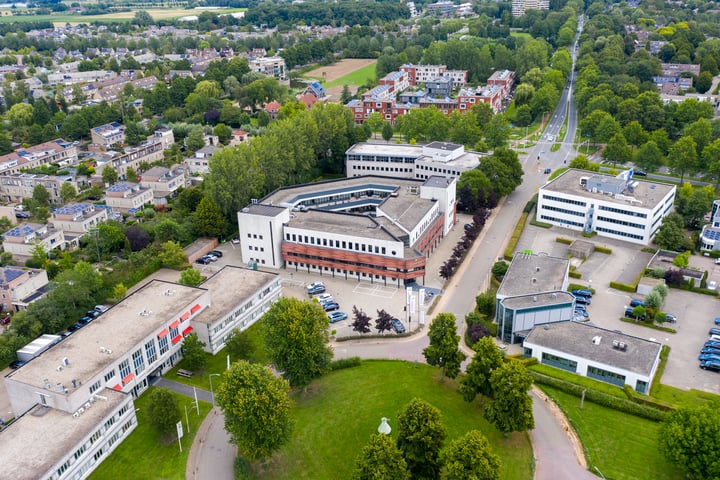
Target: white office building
pixel 606 355
pixel 710 235
pixel 409 161
pixel 621 207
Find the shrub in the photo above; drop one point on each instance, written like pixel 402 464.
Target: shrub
pixel 510 250
pixel 566 241
pixel 535 223
pixel 574 274
pixel 648 325
pixel 602 250
pixel 530 204
pixel 485 303
pixel 342 363
pixel 499 269
pixel 242 468
pixel 476 332
pixel 664 354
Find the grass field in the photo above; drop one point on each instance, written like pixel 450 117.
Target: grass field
pixel 622 446
pixel 337 414
pixel 356 78
pixel 157 14
pixel 143 455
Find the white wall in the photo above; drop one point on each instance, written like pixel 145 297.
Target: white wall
pixel 261 238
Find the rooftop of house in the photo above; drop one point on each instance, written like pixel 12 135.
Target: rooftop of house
pixel 530 274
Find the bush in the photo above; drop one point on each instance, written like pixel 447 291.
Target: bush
pixel 530 204
pixel 476 332
pixel 535 223
pixel 566 241
pixel 648 325
pixel 242 468
pixel 574 274
pixel 342 363
pixel 603 250
pixel 499 269
pixel 600 398
pixel 623 287
pixel 485 303
pixel 510 250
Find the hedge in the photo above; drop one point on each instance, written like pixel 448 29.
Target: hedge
pixel 624 287
pixel 342 363
pixel 566 241
pixel 603 250
pixel 647 401
pixel 664 354
pixel 648 325
pixel 574 274
pixel 600 398
pixel 374 336
pixel 530 204
pixel 510 250
pixel 535 223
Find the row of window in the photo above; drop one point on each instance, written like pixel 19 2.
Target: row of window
pixel 255 235
pixel 381 169
pixel 563 210
pixel 340 271
pixel 621 222
pixel 561 221
pixel 378 158
pixel 617 232
pixel 350 270
pixel 564 200
pixel 444 171
pixel 343 244
pixel 622 211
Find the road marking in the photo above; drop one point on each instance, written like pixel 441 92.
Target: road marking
pixel 375 290
pixel 294 283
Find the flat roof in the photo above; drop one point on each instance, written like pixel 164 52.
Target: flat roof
pixel 339 223
pixel 466 161
pixel 649 193
pixel 119 329
pixel 530 274
pixel 42 436
pixel 539 300
pixel 577 339
pixel 233 286
pixel 407 211
pixel 404 150
pixel 266 210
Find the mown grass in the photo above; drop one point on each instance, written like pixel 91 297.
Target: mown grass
pixel 337 414
pixel 623 447
pixel 144 454
pixel 357 77
pixel 156 13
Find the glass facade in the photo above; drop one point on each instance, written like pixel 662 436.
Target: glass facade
pixel 559 362
pixel 605 376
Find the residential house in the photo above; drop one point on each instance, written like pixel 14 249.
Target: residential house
pixel 108 135
pixel 21 240
pixel 20 286
pixel 128 197
pixel 164 182
pixel 18 186
pixel 77 219
pixel 57 152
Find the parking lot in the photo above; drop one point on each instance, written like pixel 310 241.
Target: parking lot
pixel 695 312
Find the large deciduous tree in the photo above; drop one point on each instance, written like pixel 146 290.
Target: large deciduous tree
pixel 471 457
pixel 690 438
pixel 256 407
pixel 296 339
pixel 683 157
pixel 486 360
pixel 504 171
pixel 194 357
pixel 163 410
pixel 209 220
pixel 511 407
pixel 234 178
pixel 421 435
pixel 240 345
pixel 671 233
pixel 380 459
pixel 443 350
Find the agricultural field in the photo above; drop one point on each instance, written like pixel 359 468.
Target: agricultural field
pixel 352 72
pixel 156 13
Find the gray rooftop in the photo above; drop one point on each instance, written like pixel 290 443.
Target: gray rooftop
pixel 466 161
pixel 119 329
pixel 437 181
pixel 267 210
pixel 341 224
pixel 402 150
pixel 407 211
pixel 577 339
pixel 649 193
pixel 232 286
pixel 539 300
pixel 531 274
pixel 42 436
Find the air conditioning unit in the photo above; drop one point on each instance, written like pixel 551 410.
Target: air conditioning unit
pixel 76 415
pixel 87 405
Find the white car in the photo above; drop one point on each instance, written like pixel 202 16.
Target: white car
pixel 325 298
pixel 712 285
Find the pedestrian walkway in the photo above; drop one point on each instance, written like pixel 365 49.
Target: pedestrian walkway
pixel 186 390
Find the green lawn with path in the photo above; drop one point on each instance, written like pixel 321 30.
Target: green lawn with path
pixel 622 446
pixel 337 413
pixel 144 455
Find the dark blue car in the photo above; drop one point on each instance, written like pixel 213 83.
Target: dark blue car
pixel 710 365
pixel 582 292
pixel 330 306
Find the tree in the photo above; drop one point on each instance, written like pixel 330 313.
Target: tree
pixel 296 338
pixel 40 196
pixel 171 255
pixel 194 357
pixel 20 115
pixel 163 410
pixel 256 407
pixel 443 350
pixel 67 192
pixel 346 95
pixel 671 234
pixel 131 175
pixel 421 435
pixel 135 133
pixel 361 321
pixel 690 438
pixel 617 150
pixel 191 276
pixel 511 407
pixel 387 131
pixel 380 459
pixel 109 175
pixel 504 171
pixel 497 131
pixel 470 457
pixel 209 220
pixel 383 322
pixel 240 345
pixel 195 140
pixel 235 177
pixel 486 360
pixel 683 157
pixel 143 18
pixel 649 156
pixel 119 291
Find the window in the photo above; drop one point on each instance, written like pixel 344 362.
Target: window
pixel 125 368
pixel 605 376
pixel 163 343
pixel 95 387
pixel 174 332
pixel 109 375
pixel 559 362
pixel 150 352
pixel 138 361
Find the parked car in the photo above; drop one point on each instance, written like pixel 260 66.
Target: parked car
pixel 711 350
pixel 714 331
pixel 330 306
pixel 5 320
pixel 22 215
pixel 712 344
pixel 325 298
pixel 235 241
pixel 581 292
pixel 582 300
pixel 398 326
pixel 216 253
pixel 639 173
pixel 85 320
pixel 337 316
pixel 636 303
pixel 203 260
pixel 75 326
pixel 708 356
pixel 468 226
pixel 315 284
pixel 317 289
pixel 710 365
pixel 101 308
pixel 669 317
pixel 711 285
pixel 630 313
pixel 717 321
pixel 717 261
pixel 92 313
pixel 17 364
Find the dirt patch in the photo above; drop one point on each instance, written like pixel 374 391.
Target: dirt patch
pixel 340 69
pixel 336 92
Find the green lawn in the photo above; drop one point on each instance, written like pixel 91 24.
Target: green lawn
pixel 337 414
pixel 143 455
pixel 356 78
pixel 622 446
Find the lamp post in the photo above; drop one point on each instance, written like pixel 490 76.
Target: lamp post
pixel 212 394
pixel 384 427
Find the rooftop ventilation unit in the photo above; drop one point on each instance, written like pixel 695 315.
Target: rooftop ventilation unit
pixel 145 313
pixel 59 368
pixel 59 388
pixel 87 405
pixel 66 361
pixel 596 340
pixel 103 350
pixel 537 269
pixel 74 383
pixel 100 397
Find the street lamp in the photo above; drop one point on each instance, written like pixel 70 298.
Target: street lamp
pixel 212 394
pixel 384 427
